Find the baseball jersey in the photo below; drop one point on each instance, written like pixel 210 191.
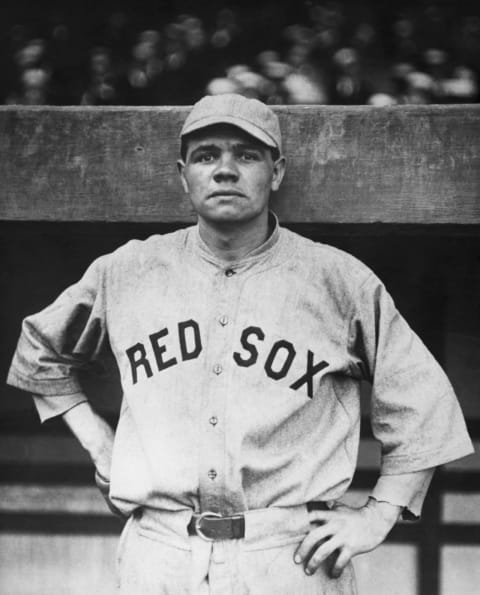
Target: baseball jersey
pixel 241 381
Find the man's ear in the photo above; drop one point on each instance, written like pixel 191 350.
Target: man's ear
pixel 181 173
pixel 278 173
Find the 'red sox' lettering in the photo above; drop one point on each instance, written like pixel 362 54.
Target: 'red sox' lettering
pixel 277 364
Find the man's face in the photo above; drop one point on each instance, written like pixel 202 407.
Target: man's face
pixel 229 175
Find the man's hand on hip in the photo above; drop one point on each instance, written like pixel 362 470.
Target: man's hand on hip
pixel 94 434
pixel 345 532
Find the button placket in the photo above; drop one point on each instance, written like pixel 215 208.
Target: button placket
pixel 219 338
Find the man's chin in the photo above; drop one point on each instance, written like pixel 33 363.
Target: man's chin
pixel 229 215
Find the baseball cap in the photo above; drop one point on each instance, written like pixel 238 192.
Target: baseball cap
pixel 250 115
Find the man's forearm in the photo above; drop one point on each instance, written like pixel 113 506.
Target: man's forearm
pixel 407 490
pixel 93 433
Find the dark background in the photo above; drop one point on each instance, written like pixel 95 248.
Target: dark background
pixel 166 52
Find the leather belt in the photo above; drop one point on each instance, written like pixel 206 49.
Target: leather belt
pixel 212 526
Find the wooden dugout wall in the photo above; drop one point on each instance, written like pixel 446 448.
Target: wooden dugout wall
pixel 411 165
pixel 399 187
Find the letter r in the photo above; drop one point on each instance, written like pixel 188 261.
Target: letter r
pixel 135 362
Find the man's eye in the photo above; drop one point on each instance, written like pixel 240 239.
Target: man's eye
pixel 205 158
pixel 249 156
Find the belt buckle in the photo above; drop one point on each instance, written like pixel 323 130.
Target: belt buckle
pixel 198 523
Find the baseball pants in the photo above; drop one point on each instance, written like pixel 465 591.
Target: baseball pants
pixel 157 557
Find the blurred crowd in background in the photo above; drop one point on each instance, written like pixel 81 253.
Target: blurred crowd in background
pixel 173 52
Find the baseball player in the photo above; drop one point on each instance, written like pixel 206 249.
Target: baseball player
pixel 241 347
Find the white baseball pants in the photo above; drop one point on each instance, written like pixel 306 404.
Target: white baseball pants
pixel 157 557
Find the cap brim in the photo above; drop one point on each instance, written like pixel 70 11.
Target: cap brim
pixel 244 125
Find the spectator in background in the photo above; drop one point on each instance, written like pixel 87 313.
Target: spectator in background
pixel 103 86
pixel 147 65
pixel 33 75
pixel 305 83
pixel 350 85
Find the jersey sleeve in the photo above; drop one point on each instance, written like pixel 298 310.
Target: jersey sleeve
pixel 407 490
pixel 59 341
pixel 415 414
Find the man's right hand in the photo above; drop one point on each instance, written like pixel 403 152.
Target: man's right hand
pixel 94 434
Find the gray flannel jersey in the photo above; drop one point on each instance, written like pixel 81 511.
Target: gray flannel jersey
pixel 241 382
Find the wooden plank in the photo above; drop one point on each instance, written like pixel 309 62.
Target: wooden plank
pixel 42 449
pixel 61 564
pixel 407 165
pixel 52 499
pixel 60 524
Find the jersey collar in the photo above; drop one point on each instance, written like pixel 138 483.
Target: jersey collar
pixel 255 256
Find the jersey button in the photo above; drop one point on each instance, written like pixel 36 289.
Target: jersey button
pixel 217 368
pixel 223 320
pixel 229 272
pixel 212 474
pixel 213 420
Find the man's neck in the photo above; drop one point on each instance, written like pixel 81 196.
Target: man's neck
pixel 233 242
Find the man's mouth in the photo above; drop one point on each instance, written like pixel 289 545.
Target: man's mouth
pixel 226 192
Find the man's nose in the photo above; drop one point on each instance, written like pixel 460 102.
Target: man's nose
pixel 226 169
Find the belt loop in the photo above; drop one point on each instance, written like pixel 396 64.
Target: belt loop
pixel 238 526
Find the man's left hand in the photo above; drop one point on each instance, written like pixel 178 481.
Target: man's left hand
pixel 345 532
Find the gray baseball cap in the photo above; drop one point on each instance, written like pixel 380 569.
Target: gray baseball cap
pixel 250 115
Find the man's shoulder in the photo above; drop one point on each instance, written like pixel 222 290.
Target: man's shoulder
pixel 319 256
pixel 157 245
pixel 137 255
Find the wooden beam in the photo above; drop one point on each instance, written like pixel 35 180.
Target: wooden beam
pixel 407 165
pixel 52 499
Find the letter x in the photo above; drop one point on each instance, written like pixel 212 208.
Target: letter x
pixel 307 378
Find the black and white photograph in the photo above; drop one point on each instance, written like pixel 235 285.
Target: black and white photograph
pixel 240 289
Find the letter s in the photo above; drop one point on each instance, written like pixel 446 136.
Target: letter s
pixel 252 350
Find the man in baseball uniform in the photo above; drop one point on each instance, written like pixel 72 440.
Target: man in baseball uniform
pixel 241 348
